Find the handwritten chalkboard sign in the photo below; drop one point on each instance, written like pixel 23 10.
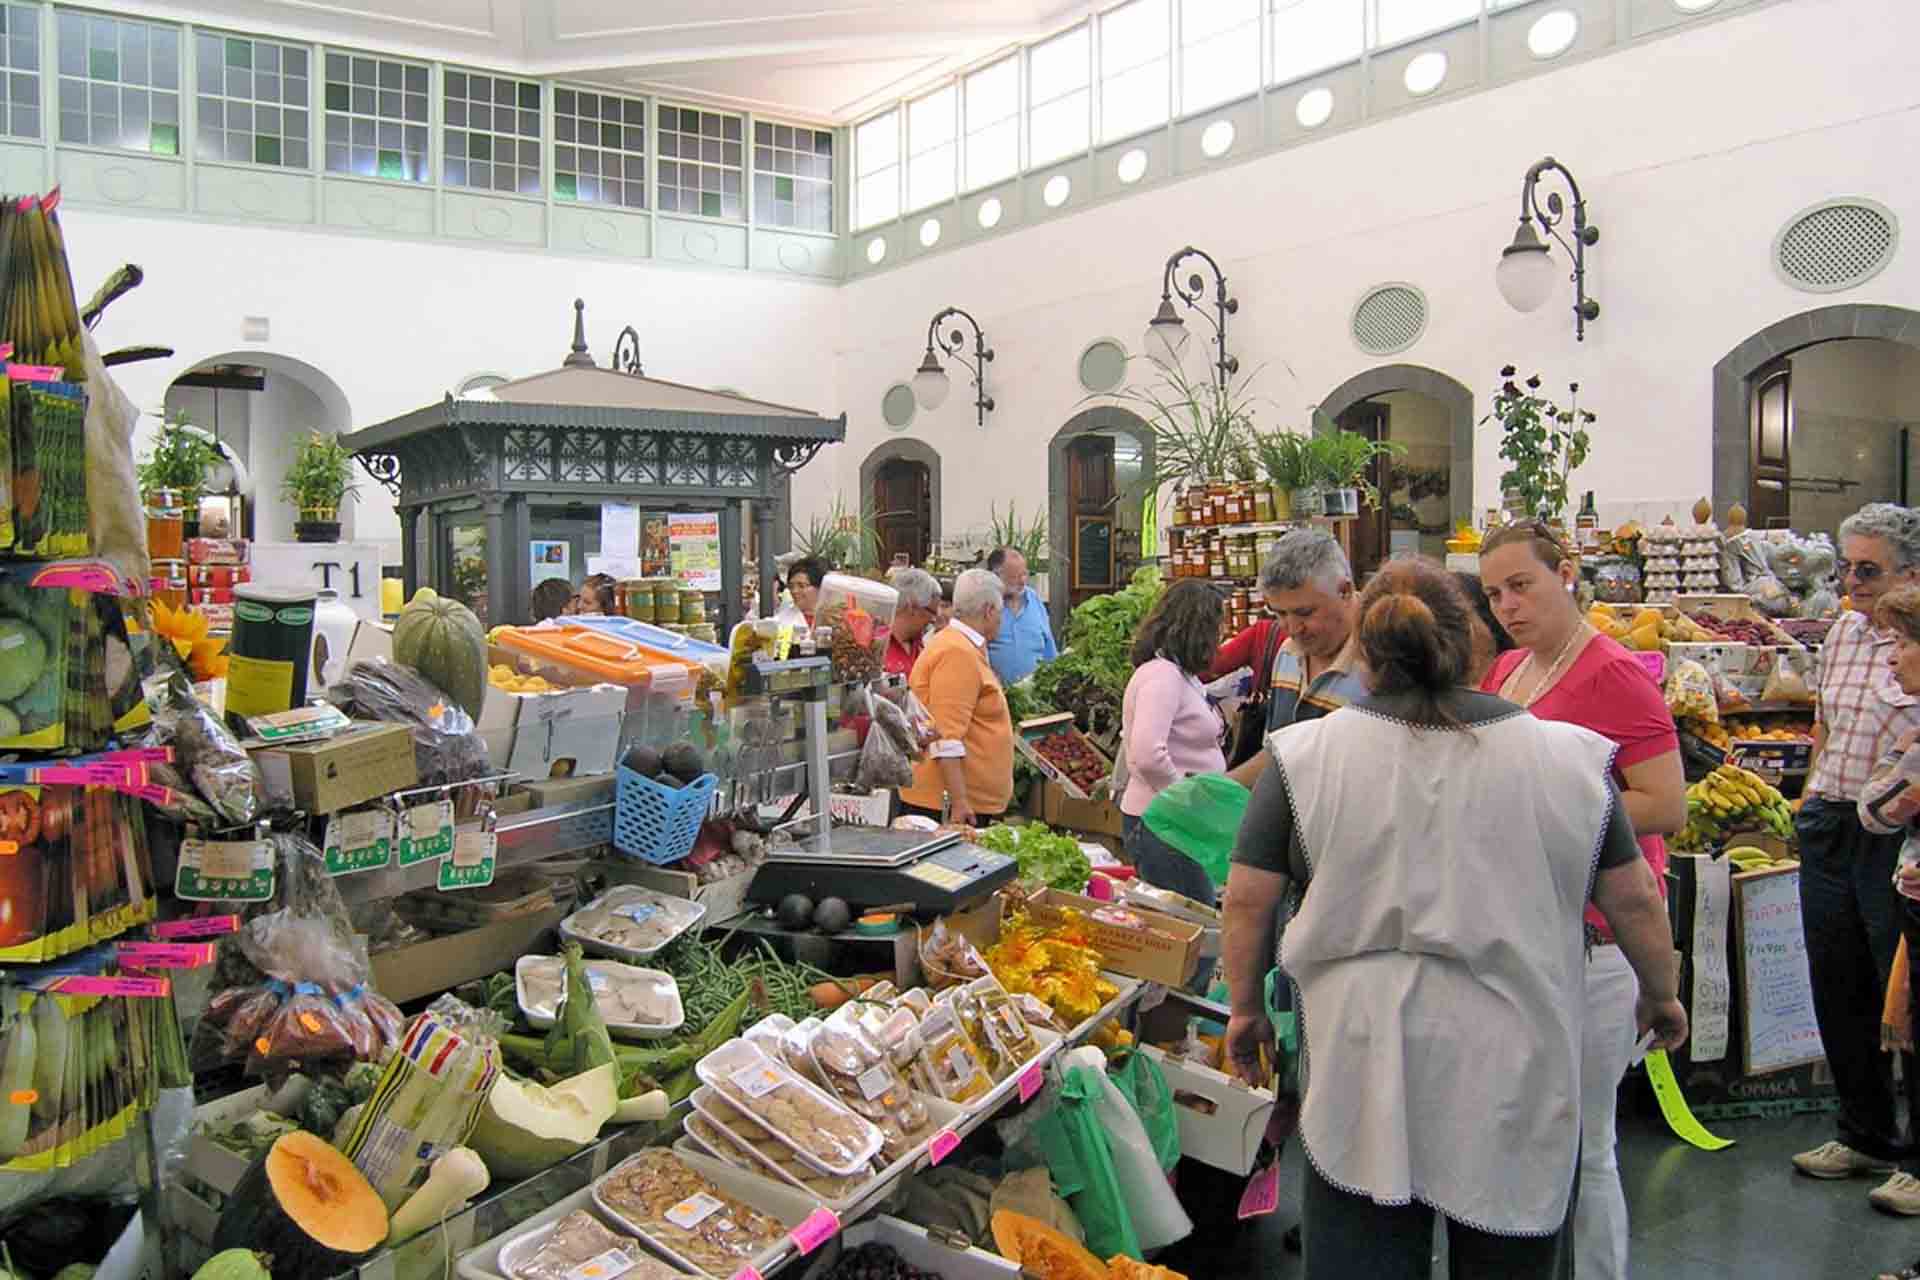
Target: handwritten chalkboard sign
pixel 1776 998
pixel 1093 551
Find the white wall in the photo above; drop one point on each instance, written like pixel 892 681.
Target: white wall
pixel 1693 150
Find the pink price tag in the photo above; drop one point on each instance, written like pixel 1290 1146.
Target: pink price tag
pixel 96 578
pixel 942 1146
pixel 62 775
pixel 152 793
pixel 819 1227
pixel 167 955
pixel 35 372
pixel 142 755
pixel 1030 1081
pixel 747 1273
pixel 197 927
pixel 84 986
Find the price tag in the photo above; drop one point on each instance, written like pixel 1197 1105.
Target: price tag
pixel 875 1080
pixel 471 866
pixel 758 1080
pixel 166 955
pixel 819 1227
pixel 224 871
pixel 607 1266
pixel 748 1273
pixel 198 927
pixel 1030 1081
pixel 942 1146
pixel 693 1211
pixel 359 842
pixel 426 831
pixel 78 985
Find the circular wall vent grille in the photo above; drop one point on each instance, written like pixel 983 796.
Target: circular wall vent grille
pixel 1390 318
pixel 1835 245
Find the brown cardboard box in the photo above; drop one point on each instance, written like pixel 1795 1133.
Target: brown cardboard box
pixel 1164 951
pixel 368 761
pixel 549 792
pixel 1063 812
pixel 1029 731
pixel 425 968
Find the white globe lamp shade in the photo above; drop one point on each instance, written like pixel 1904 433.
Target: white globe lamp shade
pixel 1526 273
pixel 1166 338
pixel 930 385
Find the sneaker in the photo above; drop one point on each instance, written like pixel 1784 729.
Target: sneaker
pixel 1905 1273
pixel 1838 1160
pixel 1899 1194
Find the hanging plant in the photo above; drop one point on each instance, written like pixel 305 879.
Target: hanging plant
pixel 1542 442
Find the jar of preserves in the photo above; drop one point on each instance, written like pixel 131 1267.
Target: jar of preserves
pixel 166 525
pixel 1263 504
pixel 1234 512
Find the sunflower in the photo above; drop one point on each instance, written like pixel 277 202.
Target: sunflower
pixel 186 630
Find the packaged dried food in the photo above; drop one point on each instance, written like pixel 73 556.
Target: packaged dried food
pixel 630 922
pixel 947 957
pixel 736 1138
pixel 972 1017
pixel 862 1075
pixel 1006 1027
pixel 560 1251
pixel 824 1133
pixel 949 1061
pixel 768 1033
pixel 658 1197
pixel 796 1048
pixel 897 1032
pixel 642 1003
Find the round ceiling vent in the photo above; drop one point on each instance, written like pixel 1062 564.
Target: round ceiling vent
pixel 1836 245
pixel 1389 318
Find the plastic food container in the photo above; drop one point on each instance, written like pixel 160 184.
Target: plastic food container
pixel 820 1131
pixel 660 640
pixel 686 1216
pixel 731 1136
pixel 859 614
pixel 863 1076
pixel 520 1257
pixel 626 910
pixel 535 976
pixel 600 656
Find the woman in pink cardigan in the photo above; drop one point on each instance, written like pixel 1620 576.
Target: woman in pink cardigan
pixel 1169 729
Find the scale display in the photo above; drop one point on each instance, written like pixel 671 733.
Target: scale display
pixel 937 875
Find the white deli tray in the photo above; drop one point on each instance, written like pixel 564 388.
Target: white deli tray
pixel 485 1261
pixel 682 915
pixel 520 1249
pixel 739 1057
pixel 542 1016
pixel 788 1206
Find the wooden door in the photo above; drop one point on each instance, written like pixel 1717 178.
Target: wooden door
pixel 1090 495
pixel 1770 445
pixel 1373 531
pixel 903 510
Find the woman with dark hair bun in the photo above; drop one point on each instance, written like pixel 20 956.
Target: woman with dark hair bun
pixel 1446 843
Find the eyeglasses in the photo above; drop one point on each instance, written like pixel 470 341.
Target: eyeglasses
pixel 1862 571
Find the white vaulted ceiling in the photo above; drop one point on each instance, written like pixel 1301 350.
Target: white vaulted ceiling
pixel 828 60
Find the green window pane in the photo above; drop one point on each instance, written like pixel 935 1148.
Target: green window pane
pixel 266 150
pixel 103 64
pixel 391 166
pixel 710 203
pixel 165 140
pixel 239 54
pixel 783 188
pixel 566 187
pixel 339 97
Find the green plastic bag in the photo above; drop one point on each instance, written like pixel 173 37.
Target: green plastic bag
pixel 1142 1083
pixel 1200 816
pixel 1081 1163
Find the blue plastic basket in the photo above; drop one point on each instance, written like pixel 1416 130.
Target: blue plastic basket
pixel 659 824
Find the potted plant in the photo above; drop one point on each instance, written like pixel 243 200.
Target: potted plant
pixel 1542 441
pixel 1283 456
pixel 841 537
pixel 320 477
pixel 175 472
pixel 1198 427
pixel 1340 462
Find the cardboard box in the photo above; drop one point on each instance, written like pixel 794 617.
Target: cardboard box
pixel 369 761
pixel 1163 949
pixel 572 733
pixel 426 968
pixel 1064 812
pixel 1221 1120
pixel 1731 608
pixel 1045 726
pixel 370 640
pixel 551 793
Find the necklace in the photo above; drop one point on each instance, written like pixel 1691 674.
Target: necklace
pixel 1553 672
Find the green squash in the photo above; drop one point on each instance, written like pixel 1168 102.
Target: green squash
pixel 233 1264
pixel 444 642
pixel 305 1206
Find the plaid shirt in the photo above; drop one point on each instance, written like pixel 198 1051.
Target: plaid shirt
pixel 1861 707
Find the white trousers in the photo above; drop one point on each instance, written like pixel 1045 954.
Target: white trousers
pixel 1600 1217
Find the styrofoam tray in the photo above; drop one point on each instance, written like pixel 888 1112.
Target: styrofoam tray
pixel 483 1261
pixel 694 913
pixel 790 1207
pixel 520 1248
pixel 542 1018
pixel 921 1250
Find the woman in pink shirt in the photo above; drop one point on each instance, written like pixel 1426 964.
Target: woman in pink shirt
pixel 1169 729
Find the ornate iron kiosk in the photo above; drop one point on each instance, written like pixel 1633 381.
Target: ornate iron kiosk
pixel 470 474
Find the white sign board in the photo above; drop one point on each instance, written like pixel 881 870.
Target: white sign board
pixel 1776 997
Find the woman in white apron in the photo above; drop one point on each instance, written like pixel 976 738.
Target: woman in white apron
pixel 1449 843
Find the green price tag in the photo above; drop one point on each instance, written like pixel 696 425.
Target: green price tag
pixel 359 842
pixel 471 866
pixel 426 831
pixel 224 871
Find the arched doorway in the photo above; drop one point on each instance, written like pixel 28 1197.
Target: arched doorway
pixel 261 405
pixel 900 485
pixel 1814 416
pixel 1429 490
pixel 1097 469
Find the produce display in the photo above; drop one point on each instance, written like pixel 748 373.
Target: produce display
pixel 1052 858
pixel 858 1072
pixel 825 1134
pixel 1090 676
pixel 631 999
pixel 1751 631
pixel 1648 630
pixel 1058 964
pixel 1732 799
pixel 1074 756
pixel 658 1197
pixel 1037 1249
pixel 876 1261
pixel 1747 858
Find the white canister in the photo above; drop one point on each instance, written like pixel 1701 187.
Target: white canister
pixel 333 624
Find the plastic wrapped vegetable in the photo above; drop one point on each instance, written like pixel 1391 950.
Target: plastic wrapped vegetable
pixel 446 746
pixel 579 1041
pixel 883 761
pixel 205 750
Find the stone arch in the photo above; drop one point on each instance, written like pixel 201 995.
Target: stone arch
pixel 907 449
pixel 1732 377
pixel 1105 417
pixel 1433 384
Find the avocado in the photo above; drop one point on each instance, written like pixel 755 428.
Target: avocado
pixel 832 915
pixel 795 911
pixel 684 761
pixel 643 760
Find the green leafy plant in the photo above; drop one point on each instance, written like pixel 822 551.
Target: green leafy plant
pixel 1198 427
pixel 1054 859
pixel 1543 442
pixel 1339 459
pixel 181 460
pixel 841 537
pixel 1090 676
pixel 321 476
pixel 1283 455
pixel 1028 537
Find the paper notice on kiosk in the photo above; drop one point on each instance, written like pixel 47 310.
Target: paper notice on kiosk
pixel 1712 987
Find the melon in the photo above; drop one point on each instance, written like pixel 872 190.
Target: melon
pixel 524 1128
pixel 23 656
pixel 444 642
pixel 233 1264
pixel 305 1206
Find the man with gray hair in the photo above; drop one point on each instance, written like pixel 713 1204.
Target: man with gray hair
pixel 1848 905
pixel 919 606
pixel 967 778
pixel 1308 586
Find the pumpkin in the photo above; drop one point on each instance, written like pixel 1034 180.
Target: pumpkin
pixel 1121 1267
pixel 444 642
pixel 1037 1249
pixel 306 1206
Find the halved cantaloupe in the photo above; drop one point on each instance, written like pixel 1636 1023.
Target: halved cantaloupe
pixel 1040 1250
pixel 523 1127
pixel 306 1205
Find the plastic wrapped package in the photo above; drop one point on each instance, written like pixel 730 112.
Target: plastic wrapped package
pixel 1690 692
pixel 1790 679
pixel 446 746
pixel 208 754
pixel 884 763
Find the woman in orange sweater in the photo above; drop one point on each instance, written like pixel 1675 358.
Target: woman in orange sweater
pixel 969 767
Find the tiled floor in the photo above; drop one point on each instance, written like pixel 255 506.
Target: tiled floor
pixel 1738 1214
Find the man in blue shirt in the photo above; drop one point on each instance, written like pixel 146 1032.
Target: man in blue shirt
pixel 1026 633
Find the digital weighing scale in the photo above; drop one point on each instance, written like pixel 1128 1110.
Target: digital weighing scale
pixel 870 867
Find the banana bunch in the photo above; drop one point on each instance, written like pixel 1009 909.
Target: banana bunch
pixel 1747 858
pixel 1731 796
